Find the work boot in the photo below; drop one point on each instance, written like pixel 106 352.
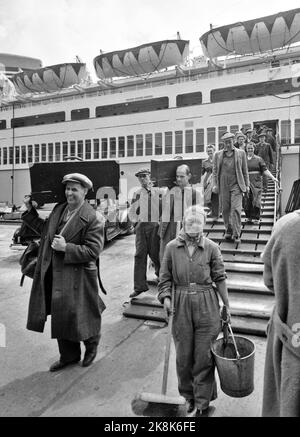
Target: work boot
pixel 190 408
pixel 89 356
pixel 236 239
pixel 58 365
pixel 228 236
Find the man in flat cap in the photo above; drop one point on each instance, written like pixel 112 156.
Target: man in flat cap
pixel 65 282
pixel 230 181
pixel 144 212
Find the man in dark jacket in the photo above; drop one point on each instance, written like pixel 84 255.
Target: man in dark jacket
pixel 264 150
pixel 144 212
pixel 65 282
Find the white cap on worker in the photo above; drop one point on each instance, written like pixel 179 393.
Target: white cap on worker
pixel 79 179
pixel 227 136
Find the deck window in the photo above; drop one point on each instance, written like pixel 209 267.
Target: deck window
pixel 23 154
pixel 65 149
pixel 168 143
pixel 178 141
pixel 121 152
pixel 4 155
pixel 104 148
pixel 17 154
pixel 221 131
pixel 113 147
pixel 96 148
pixel 2 124
pixel 36 153
pixel 158 144
pixel 33 120
pixel 88 149
pixel 11 155
pixel 30 153
pixel 139 145
pixel 44 152
pixel 73 148
pixel 80 114
pixel 149 146
pixel 57 152
pixel 130 145
pixel 297 131
pixel 199 140
pixel 50 152
pixel 132 107
pixel 189 99
pixel 80 149
pixel 189 141
pixel 286 132
pixel 211 135
pixel 234 129
pixel 274 87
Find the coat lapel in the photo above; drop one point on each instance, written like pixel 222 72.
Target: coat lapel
pixel 77 222
pixel 54 219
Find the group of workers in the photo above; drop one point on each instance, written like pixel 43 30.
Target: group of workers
pixel 188 266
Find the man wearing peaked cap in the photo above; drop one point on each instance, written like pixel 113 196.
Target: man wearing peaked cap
pixel 65 283
pixel 240 140
pixel 78 178
pixel 264 150
pixel 142 171
pixel 144 212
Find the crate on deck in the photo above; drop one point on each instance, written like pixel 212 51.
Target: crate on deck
pixel 46 178
pixel 163 172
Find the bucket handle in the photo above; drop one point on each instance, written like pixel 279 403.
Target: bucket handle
pixel 233 339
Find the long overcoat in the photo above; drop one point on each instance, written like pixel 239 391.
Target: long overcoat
pixel 76 306
pixel 281 395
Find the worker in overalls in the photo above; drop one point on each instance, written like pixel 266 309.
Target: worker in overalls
pixel 193 263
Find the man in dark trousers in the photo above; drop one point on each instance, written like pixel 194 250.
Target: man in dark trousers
pixel 264 150
pixel 230 181
pixel 65 282
pixel 144 212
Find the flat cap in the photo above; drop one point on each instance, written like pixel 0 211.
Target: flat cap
pixel 227 135
pixel 79 179
pixel 239 134
pixel 249 130
pixel 262 134
pixel 142 171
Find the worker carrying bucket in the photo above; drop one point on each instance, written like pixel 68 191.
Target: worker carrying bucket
pixel 234 358
pixel 190 266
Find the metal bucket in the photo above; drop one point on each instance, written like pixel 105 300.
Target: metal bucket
pixel 236 375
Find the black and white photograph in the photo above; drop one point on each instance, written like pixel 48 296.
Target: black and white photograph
pixel 149 211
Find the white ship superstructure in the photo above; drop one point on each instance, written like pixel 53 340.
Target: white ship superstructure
pixel 152 115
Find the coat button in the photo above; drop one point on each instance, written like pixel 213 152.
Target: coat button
pixel 76 269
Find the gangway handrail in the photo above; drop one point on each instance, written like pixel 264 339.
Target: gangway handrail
pixel 277 190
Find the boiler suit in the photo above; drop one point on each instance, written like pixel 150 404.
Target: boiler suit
pixel 197 317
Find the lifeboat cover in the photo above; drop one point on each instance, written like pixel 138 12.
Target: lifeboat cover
pixel 146 58
pixel 49 79
pixel 253 36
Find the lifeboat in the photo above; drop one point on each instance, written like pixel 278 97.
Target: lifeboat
pixel 49 79
pixel 146 58
pixel 253 36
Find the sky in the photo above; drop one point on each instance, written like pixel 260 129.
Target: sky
pixel 56 31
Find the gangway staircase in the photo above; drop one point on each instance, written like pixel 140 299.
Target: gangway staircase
pixel 250 301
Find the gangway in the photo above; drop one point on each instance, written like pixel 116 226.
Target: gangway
pixel 251 302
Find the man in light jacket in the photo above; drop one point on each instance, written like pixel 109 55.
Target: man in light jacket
pixel 230 181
